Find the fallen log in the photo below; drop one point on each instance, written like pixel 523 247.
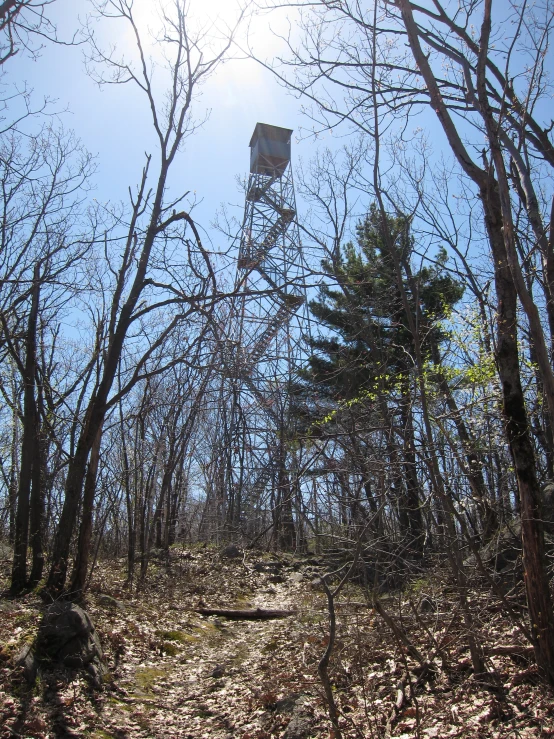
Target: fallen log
pixel 510 650
pixel 258 614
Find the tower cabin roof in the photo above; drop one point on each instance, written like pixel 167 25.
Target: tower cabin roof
pixel 273 133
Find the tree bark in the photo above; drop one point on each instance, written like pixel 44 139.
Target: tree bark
pixel 94 418
pixel 508 232
pixel 80 567
pixel 413 525
pixel 537 588
pixel 28 445
pixel 37 522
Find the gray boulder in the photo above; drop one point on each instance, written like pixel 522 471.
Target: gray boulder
pixel 287 704
pixel 300 725
pixel 67 637
pixel 504 549
pixel 275 566
pixel 109 602
pixel 297 576
pixel 427 605
pixel 230 552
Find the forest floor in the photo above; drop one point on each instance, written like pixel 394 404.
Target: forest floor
pixel 176 674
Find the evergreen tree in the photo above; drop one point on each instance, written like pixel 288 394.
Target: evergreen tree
pixel 364 313
pixel 366 355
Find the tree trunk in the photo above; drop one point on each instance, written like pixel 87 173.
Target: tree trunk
pixel 517 427
pixel 74 484
pixel 38 512
pixel 121 318
pixel 80 568
pixel 286 532
pixel 13 482
pixel 28 445
pixel 411 501
pixel 131 531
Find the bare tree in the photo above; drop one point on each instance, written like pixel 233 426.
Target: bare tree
pixel 25 24
pixel 42 178
pixel 154 232
pixel 395 58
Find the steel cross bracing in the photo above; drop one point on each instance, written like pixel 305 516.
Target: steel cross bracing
pixel 260 349
pixel 270 285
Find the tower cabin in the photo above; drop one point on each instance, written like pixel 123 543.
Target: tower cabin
pixel 269 150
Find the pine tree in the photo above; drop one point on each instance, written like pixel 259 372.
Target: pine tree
pixel 366 355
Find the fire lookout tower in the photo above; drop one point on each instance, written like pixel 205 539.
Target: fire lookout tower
pixel 261 344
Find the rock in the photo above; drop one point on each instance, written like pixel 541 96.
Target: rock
pixel 296 576
pixel 230 552
pixel 67 637
pixel 504 550
pixel 156 554
pixel 218 671
pixel 311 573
pixel 28 661
pixel 300 725
pixel 272 568
pixel 427 605
pixel 99 673
pixel 275 566
pixel 152 554
pixel 286 704
pixel 107 600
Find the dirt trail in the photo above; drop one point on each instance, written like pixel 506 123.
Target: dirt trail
pixel 210 677
pixel 177 675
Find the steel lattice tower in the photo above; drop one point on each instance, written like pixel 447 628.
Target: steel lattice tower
pixel 261 349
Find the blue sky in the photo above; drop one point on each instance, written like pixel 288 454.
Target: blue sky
pixel 114 124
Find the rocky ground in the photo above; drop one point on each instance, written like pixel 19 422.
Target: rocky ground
pixel 174 673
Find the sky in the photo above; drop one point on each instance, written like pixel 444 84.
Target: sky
pixel 113 122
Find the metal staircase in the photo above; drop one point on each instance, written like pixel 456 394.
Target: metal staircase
pixel 256 352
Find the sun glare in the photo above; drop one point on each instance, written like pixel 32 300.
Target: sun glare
pixel 214 19
pixel 214 11
pixel 219 16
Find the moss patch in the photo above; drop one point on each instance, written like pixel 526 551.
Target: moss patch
pixel 241 654
pixel 147 677
pixel 170 648
pixel 271 646
pixel 120 704
pixel 179 636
